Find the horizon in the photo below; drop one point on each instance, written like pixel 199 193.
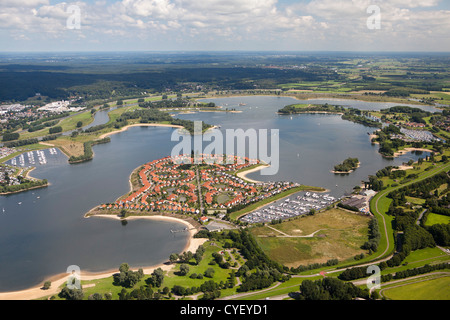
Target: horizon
pixel 232 51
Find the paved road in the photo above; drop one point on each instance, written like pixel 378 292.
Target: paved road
pixel 420 216
pixel 199 191
pixel 241 295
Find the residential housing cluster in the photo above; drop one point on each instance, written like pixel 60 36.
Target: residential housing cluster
pixel 173 185
pixel 8 176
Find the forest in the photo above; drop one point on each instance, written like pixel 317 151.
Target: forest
pixel 105 76
pixel 19 85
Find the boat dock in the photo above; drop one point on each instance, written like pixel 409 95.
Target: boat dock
pixel 181 230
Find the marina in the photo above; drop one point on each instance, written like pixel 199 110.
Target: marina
pixel 300 204
pixel 41 157
pixel 31 158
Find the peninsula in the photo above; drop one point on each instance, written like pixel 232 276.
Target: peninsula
pixel 188 186
pixel 17 179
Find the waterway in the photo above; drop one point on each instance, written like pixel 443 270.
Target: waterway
pixel 43 231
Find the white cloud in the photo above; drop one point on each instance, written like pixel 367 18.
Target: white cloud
pixel 146 8
pixel 55 12
pixel 334 24
pixel 413 3
pixel 23 3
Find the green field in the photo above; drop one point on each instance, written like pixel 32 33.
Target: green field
pixel 379 205
pixel 172 278
pixel 434 218
pixel 67 124
pixel 419 289
pixel 336 234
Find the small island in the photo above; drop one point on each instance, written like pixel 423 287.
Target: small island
pixel 348 166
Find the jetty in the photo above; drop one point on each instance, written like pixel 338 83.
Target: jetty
pixel 181 230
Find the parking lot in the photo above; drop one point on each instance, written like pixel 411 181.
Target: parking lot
pixel 296 205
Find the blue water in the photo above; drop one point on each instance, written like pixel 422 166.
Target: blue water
pixel 43 236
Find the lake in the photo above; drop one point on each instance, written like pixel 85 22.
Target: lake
pixel 47 232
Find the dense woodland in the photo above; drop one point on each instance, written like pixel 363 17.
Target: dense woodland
pixel 19 85
pixel 347 165
pixel 100 76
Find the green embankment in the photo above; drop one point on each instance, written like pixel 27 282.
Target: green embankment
pixel 379 205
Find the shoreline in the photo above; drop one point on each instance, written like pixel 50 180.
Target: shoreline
pixel 321 96
pixel 138 125
pixel 57 280
pixel 28 189
pixel 403 167
pixel 343 172
pixel 243 174
pixel 310 112
pixel 374 135
pixel 190 246
pixel 23 190
pixel 407 150
pixel 107 134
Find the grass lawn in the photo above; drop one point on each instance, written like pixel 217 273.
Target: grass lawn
pixel 415 201
pixel 71 122
pixel 340 236
pixel 67 124
pixel 426 254
pixel 70 147
pixel 431 289
pixel 116 113
pixel 292 285
pixel 419 258
pixel 171 279
pixel 434 218
pixel 220 274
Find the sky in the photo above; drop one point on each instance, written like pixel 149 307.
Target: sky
pixel 225 25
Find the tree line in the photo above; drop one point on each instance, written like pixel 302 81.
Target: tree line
pixel 88 153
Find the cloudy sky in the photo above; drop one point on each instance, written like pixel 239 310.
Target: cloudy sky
pixel 221 25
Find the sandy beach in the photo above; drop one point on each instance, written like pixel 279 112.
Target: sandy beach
pixel 373 136
pixel 193 243
pixel 243 174
pixel 406 150
pixel 138 125
pixel 58 280
pixel 28 176
pixel 403 168
pixel 341 172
